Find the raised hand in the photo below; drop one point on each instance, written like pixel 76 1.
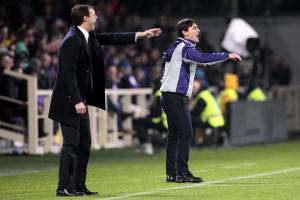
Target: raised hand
pixel 154 32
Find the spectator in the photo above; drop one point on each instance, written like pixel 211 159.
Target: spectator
pixel 207 115
pixel 140 77
pixel 9 87
pixel 44 74
pixel 156 120
pixel 111 82
pixel 127 78
pixel 256 93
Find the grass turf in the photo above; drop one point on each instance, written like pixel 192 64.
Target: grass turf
pixel 256 172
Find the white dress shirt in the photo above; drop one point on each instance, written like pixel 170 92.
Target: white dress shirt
pixel 85 33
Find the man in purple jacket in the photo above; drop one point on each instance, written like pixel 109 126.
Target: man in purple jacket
pixel 180 62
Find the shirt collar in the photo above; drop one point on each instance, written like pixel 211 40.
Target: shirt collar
pixel 193 43
pixel 85 33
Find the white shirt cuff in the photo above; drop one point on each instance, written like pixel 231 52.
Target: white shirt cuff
pixel 136 36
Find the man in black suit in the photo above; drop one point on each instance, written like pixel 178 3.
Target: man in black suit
pixel 80 82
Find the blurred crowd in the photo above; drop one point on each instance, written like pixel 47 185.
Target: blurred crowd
pixel 31 33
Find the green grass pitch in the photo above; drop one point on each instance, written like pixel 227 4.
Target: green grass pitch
pixel 262 172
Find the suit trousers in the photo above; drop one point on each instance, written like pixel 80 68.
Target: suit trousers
pixel 75 154
pixel 176 107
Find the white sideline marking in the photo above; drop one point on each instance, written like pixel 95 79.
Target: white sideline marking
pixel 24 172
pixel 15 173
pixel 238 166
pixel 201 184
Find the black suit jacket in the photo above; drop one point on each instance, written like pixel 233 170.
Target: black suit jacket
pixel 80 75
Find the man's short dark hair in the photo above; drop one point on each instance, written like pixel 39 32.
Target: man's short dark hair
pixel 183 25
pixel 78 12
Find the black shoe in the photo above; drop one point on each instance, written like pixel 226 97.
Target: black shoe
pixel 65 192
pixel 170 179
pixel 188 177
pixel 86 191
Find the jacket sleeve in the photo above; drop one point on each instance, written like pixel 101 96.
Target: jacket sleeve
pixel 116 38
pixel 192 55
pixel 69 54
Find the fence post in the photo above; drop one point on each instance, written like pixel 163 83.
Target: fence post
pixel 142 104
pixel 102 124
pixel 112 124
pixel 93 124
pixel 127 124
pixel 32 114
pixel 48 125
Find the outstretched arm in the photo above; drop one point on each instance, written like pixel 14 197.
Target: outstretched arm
pixel 154 32
pixel 116 38
pixel 126 38
pixel 192 55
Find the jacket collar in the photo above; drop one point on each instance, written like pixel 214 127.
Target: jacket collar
pixel 187 41
pixel 77 31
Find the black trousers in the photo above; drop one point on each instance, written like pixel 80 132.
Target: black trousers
pixel 176 107
pixel 75 154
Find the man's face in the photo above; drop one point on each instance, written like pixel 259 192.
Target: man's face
pixel 112 73
pixel 91 19
pixel 7 62
pixel 192 33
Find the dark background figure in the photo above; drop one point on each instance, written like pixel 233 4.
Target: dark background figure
pixel 280 73
pixel 11 88
pixel 156 120
pixel 111 82
pixel 8 87
pixel 207 119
